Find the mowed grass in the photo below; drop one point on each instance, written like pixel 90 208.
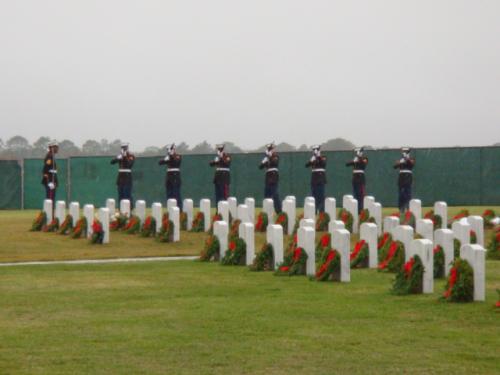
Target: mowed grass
pixel 18 244
pixel 188 317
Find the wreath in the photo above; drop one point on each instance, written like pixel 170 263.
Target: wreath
pixel 359 256
pixel 216 217
pixel 328 268
pixel 133 225
pixel 282 220
pixel 80 228
pixel 198 224
pixel 456 248
pixel 262 222
pixel 183 219
pixel 297 223
pixel 322 222
pixel 264 260
pixel 346 218
pixel 460 284
pixel 39 222
pixel 234 231
pixel 292 244
pixel 438 262
pixel 323 244
pixel 53 226
pixel 461 214
pixel 394 259
pixel 119 222
pixel 473 236
pixel 148 227
pixel 211 249
pixel 166 233
pixel 293 264
pixel 437 220
pixel 384 242
pixel 410 277
pixel 66 226
pixel 236 254
pixel 488 216
pixel 494 246
pixel 97 233
pixel 405 218
pixel 364 217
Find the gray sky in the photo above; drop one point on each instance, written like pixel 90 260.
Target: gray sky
pixel 379 72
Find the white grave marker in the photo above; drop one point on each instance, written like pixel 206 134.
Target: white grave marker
pixel 247 233
pixel 310 211
pixel 171 203
pixel 275 238
pixel 290 210
pixel 74 211
pixel 341 241
pixel 156 212
pixel 368 232
pixel 425 227
pixel 104 219
pixel 221 231
pixel 352 206
pixel 345 198
pixel 333 225
pixel 140 210
pixel 331 208
pixel 416 208
pixel 477 225
pixel 268 208
pixel 441 209
pixel 47 208
pixel 475 254
pixel 404 233
pixel 205 209
pixel 88 213
pixel 390 223
pixel 125 207
pixel 188 207
pixel 444 238
pixel 423 248
pixel 309 223
pixel 250 202
pixel 461 231
pixel 111 206
pixel 305 240
pixel 223 210
pixel 376 212
pixel 368 201
pixel 243 213
pixel 60 211
pixel 233 206
pixel 174 214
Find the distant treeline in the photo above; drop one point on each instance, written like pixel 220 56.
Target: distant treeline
pixel 19 147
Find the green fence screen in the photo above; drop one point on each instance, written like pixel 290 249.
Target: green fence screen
pixel 459 176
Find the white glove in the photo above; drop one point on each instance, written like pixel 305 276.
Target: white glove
pixel 265 160
pixel 51 185
pixel 402 160
pixel 313 158
pixel 356 159
pixel 120 157
pixel 216 159
pixel 167 158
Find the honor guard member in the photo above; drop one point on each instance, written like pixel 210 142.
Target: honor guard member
pixel 222 178
pixel 318 177
pixel 173 177
pixel 358 164
pixel 270 163
pixel 49 178
pixel 405 180
pixel 125 161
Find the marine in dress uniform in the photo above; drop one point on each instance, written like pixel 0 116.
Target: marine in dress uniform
pixel 317 163
pixel 405 180
pixel 270 163
pixel 125 162
pixel 173 176
pixel 222 177
pixel 358 165
pixel 49 173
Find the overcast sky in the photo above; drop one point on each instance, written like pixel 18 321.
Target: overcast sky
pixel 378 72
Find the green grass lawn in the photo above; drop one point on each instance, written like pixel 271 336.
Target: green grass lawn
pixel 187 317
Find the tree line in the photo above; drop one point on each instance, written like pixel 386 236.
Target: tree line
pixel 19 147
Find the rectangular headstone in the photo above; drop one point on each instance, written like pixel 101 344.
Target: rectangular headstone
pixel 188 208
pixel 376 212
pixel 346 198
pixel 461 231
pixel 275 238
pixel 444 238
pixel 157 213
pixel 233 206
pixel 171 203
pixel 223 210
pixel 352 206
pixel 390 223
pixel 205 209
pixel 306 240
pixel 47 208
pixel 174 214
pixel 334 225
pixel 74 211
pixel 221 231
pixel 423 248
pixel 250 202
pixel 293 198
pixel 341 241
pixel 88 213
pixel 309 200
pixel 425 227
pixel 243 213
pixel 368 232
pixel 104 219
pixel 268 208
pixel 475 255
pixel 416 208
pixel 404 233
pixel 290 210
pixel 111 206
pixel 441 209
pixel 331 208
pixel 477 225
pixel 140 210
pixel 310 211
pixel 246 231
pixel 125 207
pixel 60 211
pixel 368 200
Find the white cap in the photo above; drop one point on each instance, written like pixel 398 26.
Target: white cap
pixel 53 143
pixel 124 145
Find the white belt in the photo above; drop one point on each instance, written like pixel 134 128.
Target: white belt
pixel 173 170
pixel 222 169
pixel 52 170
pixel 405 171
pixel 318 170
pixel 125 170
pixel 358 171
pixel 272 170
